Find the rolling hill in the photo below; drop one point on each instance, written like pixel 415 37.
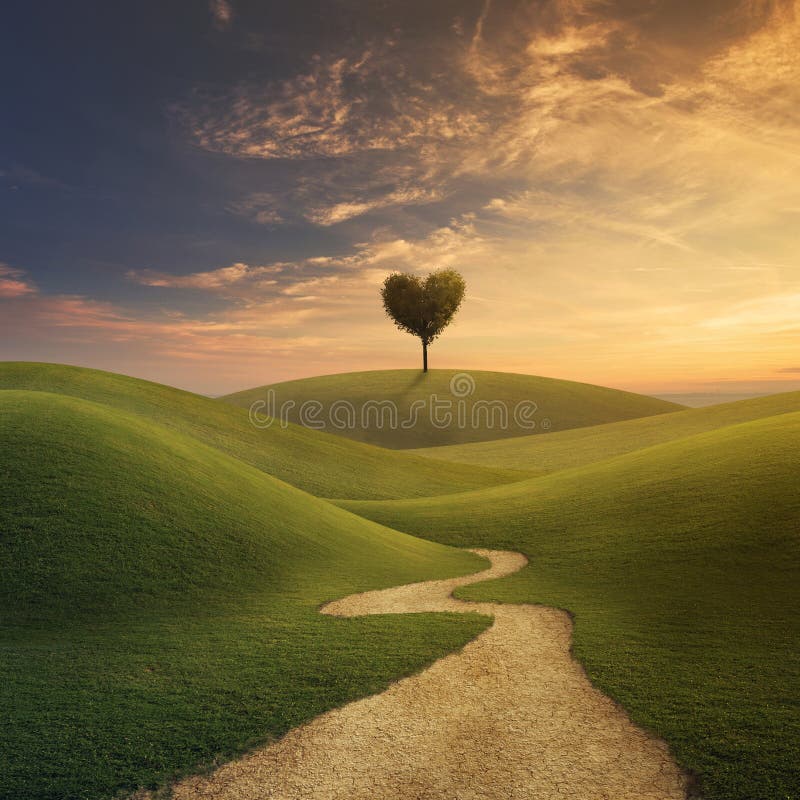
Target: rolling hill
pixel 319 463
pixel 346 405
pixel 158 601
pixel 565 449
pixel 161 563
pixel 681 564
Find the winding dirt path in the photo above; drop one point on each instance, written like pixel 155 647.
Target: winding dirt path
pixel 510 716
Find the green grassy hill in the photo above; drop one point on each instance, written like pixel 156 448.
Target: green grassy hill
pixel 325 465
pixel 564 449
pixel 681 563
pixel 559 405
pixel 159 580
pixel 158 601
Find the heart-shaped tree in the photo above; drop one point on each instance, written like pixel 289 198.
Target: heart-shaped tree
pixel 423 307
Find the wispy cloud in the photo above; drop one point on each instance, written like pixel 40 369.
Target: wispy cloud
pixel 348 209
pixel 323 203
pixel 341 106
pixel 775 313
pixel 360 270
pixel 547 97
pixel 261 207
pixel 15 175
pixel 14 283
pixel 219 279
pixel 221 13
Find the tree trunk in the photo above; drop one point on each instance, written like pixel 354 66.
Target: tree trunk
pixel 424 355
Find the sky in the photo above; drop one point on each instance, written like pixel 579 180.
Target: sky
pixel 209 194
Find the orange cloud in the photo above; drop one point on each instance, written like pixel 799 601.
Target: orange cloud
pixel 210 280
pixel 13 283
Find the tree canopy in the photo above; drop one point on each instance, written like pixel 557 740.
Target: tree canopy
pixel 423 307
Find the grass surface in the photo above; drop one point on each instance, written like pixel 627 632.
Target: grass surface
pixel 559 404
pixel 159 587
pixel 158 602
pixel 681 563
pixel 564 449
pixel 320 463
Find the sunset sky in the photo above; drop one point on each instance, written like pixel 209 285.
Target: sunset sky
pixel 209 195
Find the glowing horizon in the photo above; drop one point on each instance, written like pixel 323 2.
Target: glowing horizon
pixel 617 185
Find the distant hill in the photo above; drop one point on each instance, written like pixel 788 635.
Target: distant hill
pixel 573 448
pixel 446 407
pixel 701 399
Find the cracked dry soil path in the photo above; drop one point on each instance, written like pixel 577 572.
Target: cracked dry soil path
pixel 510 716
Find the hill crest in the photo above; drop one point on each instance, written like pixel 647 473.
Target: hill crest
pixel 402 409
